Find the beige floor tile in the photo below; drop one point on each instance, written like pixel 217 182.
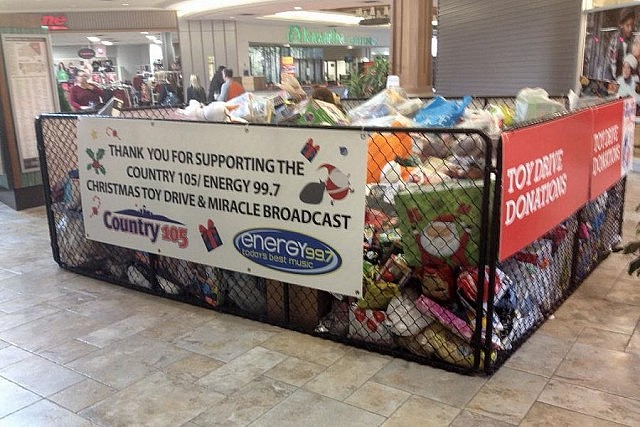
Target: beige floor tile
pixel 600 313
pixel 82 395
pixel 157 400
pixel 591 402
pixel 41 376
pixel 600 338
pixel 225 337
pixel 13 397
pixel 601 369
pixel 446 387
pixel 634 343
pixel 310 409
pixel 10 355
pixel 178 325
pixel 44 413
pixel 544 415
pixel 419 411
pixel 540 354
pixel 7 295
pixel 234 375
pixel 5 273
pixel 305 347
pixel 20 302
pixel 378 398
pixel 192 367
pixel 70 299
pixel 508 395
pixel 127 361
pixel 122 329
pixel 67 351
pixel 347 374
pixel 8 321
pixel 61 326
pixel 473 419
pixel 247 404
pixel 107 310
pixel 625 291
pixel 565 329
pixel 294 371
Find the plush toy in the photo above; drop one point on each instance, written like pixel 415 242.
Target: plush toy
pixel 213 112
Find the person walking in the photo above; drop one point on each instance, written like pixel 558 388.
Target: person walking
pixel 231 88
pixel 216 84
pixel 195 90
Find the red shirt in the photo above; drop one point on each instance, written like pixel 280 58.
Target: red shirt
pixel 80 97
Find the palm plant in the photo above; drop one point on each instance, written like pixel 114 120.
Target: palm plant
pixel 371 81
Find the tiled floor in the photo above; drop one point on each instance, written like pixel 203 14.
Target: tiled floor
pixel 75 352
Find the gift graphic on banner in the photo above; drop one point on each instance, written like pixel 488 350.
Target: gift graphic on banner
pixel 310 150
pixel 210 235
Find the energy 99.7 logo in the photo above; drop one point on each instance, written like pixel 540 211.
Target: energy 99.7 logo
pixel 287 251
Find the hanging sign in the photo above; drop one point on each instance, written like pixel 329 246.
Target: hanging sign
pixel 86 53
pixel 291 211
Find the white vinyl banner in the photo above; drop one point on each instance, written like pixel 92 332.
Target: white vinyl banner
pixel 285 204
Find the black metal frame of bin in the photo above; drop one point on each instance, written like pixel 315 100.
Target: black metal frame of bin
pixel 485 358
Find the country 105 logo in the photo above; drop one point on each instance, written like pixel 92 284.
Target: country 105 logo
pixel 287 251
pixel 144 223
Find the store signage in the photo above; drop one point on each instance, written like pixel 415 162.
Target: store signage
pixel 86 53
pixel 612 142
pixel 54 22
pixel 545 178
pixel 235 200
pixel 302 35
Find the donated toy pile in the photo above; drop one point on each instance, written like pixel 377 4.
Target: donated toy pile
pixel 422 244
pixel 423 219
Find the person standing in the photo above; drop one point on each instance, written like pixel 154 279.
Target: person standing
pixel 620 43
pixel 195 90
pixel 230 88
pixel 216 84
pixel 85 95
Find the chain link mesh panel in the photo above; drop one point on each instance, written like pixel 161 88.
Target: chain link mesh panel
pixel 429 194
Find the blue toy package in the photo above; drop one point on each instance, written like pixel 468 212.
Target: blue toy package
pixel 441 112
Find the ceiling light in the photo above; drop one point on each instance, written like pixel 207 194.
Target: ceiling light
pixel 190 7
pixel 297 8
pixel 144 32
pixel 125 4
pixel 107 43
pixel 151 37
pixel 93 39
pixel 329 18
pixel 157 41
pixel 232 17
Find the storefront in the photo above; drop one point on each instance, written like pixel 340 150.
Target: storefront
pixel 317 54
pixel 31 57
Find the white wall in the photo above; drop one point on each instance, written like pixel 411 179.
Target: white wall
pixel 130 56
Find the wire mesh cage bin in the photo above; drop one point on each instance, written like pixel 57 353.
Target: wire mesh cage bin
pixel 433 285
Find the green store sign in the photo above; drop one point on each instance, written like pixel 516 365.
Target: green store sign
pixel 302 35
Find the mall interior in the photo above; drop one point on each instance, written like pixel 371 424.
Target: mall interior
pixel 97 330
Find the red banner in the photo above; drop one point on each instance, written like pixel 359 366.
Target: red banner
pixel 545 178
pixel 612 144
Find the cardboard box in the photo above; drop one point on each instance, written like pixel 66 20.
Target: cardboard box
pixel 306 305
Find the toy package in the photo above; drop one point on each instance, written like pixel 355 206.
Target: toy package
pixel 440 223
